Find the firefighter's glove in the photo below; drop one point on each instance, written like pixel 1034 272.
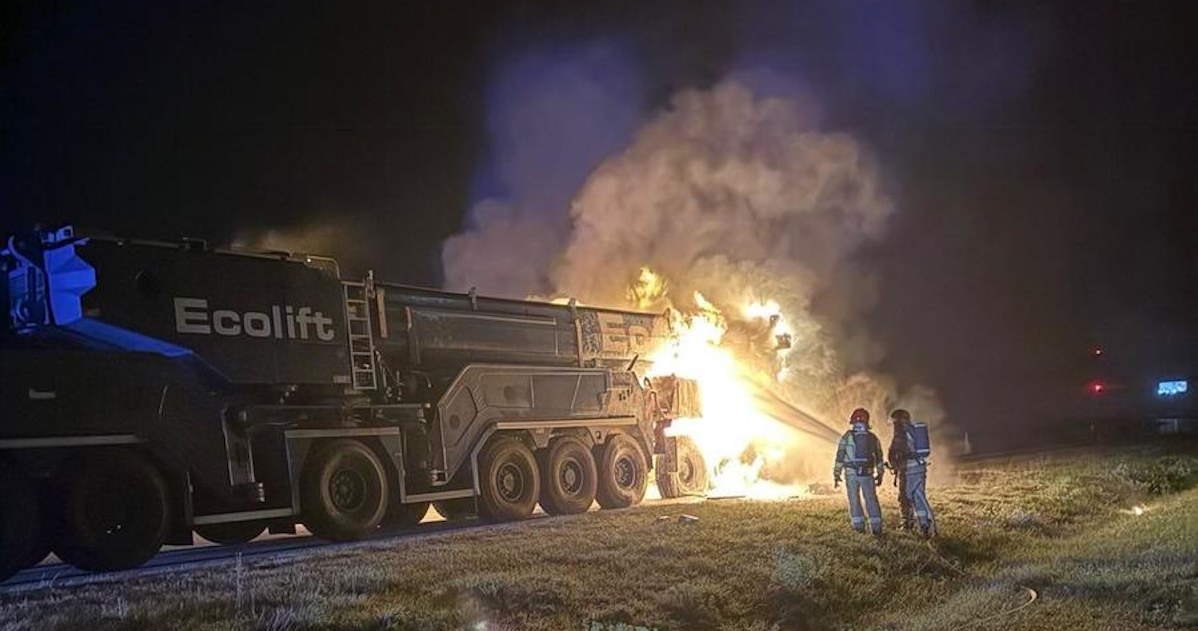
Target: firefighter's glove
pixel 836 482
pixel 878 480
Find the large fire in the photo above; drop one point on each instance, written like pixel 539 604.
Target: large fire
pixel 738 440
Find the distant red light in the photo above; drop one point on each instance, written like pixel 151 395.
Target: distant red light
pixel 1097 352
pixel 1098 387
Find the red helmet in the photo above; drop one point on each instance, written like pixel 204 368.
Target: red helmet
pixel 859 415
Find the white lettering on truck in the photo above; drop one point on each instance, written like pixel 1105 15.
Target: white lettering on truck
pixel 193 316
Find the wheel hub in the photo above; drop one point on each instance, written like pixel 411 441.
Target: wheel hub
pixel 686 471
pixel 625 472
pixel 571 477
pixel 510 482
pixel 347 489
pixel 110 513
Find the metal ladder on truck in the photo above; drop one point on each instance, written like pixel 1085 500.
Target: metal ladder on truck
pixel 361 338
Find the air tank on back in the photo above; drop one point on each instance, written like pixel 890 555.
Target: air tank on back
pixel 921 443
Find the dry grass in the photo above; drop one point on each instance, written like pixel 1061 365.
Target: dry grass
pixel 1054 525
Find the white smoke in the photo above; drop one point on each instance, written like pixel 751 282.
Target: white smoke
pixel 738 197
pixel 506 250
pixel 318 236
pixel 724 174
pixel 734 195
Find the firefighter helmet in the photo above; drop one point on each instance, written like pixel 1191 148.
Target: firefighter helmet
pixel 900 416
pixel 859 415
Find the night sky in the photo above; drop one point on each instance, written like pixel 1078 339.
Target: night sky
pixel 1042 156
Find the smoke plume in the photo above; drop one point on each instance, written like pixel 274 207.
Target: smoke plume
pixel 731 194
pixel 553 116
pixel 738 197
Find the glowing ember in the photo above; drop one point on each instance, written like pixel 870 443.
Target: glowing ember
pixel 771 313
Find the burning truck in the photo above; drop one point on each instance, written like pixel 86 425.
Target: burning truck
pixel 151 390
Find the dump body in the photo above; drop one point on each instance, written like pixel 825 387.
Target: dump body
pixel 440 331
pixel 482 360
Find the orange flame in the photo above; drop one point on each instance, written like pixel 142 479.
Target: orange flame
pixel 737 439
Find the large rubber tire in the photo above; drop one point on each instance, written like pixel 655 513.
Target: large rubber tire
pixel 404 515
pixel 343 491
pixel 460 508
pixel 44 542
pixel 691 478
pixel 509 480
pixel 623 473
pixel 569 477
pixel 231 533
pixel 115 512
pixel 20 523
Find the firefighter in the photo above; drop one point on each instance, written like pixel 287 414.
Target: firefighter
pixel 860 453
pixel 911 474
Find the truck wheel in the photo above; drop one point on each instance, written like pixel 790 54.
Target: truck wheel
pixel 19 523
pixel 510 483
pixel 404 515
pixel 115 513
pixel 231 533
pixel 623 473
pixel 691 478
pixel 343 491
pixel 41 547
pixel 569 477
pixel 460 508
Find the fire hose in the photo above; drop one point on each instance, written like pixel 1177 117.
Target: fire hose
pixel 1032 595
pixel 804 421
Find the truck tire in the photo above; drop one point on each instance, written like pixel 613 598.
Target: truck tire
pixel 115 512
pixel 623 473
pixel 404 515
pixel 19 523
pixel 231 533
pixel 510 484
pixel 569 477
pixel 343 491
pixel 41 547
pixel 691 478
pixel 460 508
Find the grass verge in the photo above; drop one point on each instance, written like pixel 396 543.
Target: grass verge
pixel 1060 526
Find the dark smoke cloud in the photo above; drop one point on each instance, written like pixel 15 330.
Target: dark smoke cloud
pixel 897 63
pixel 736 196
pixel 737 182
pixel 552 116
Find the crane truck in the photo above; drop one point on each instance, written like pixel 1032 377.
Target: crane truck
pixel 150 391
